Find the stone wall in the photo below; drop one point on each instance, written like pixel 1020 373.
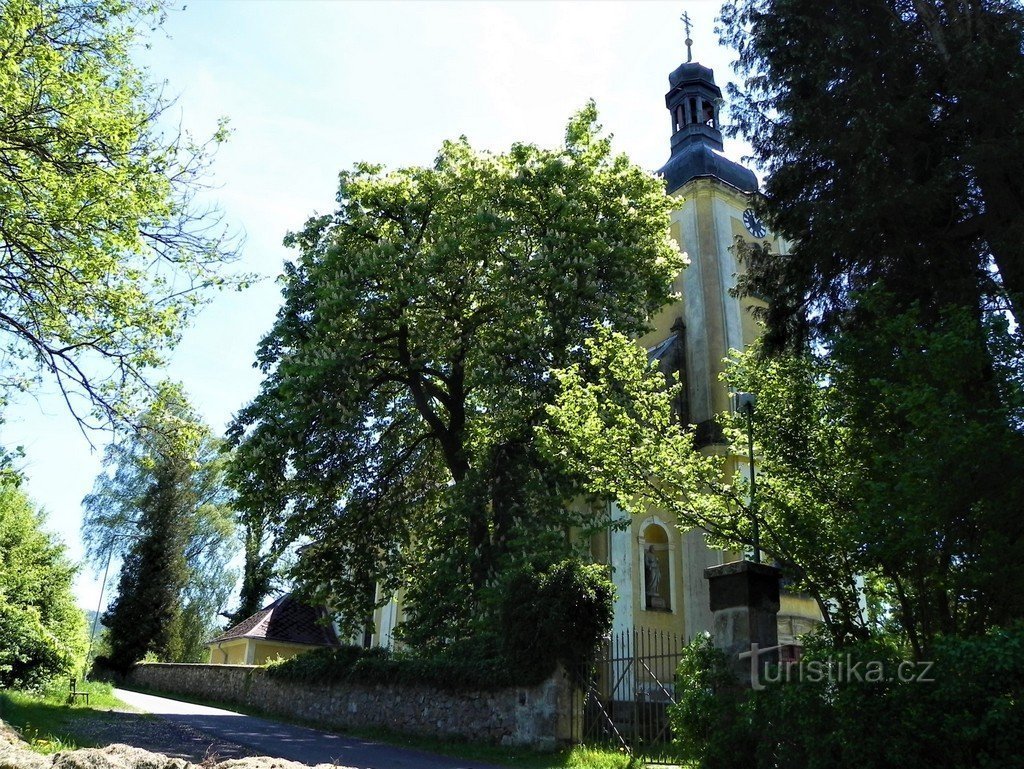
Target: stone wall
pixel 534 716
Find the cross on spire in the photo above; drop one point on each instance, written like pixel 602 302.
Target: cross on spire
pixel 686 24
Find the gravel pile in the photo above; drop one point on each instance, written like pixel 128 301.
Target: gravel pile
pixel 156 735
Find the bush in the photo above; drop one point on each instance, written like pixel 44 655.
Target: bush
pixel 967 711
pixel 29 654
pixel 42 631
pixel 465 665
pixel 318 666
pixel 106 668
pixel 706 719
pixel 557 616
pixel 550 617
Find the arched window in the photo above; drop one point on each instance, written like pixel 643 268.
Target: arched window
pixel 655 555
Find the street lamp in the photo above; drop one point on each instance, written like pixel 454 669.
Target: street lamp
pixel 103 584
pixel 745 402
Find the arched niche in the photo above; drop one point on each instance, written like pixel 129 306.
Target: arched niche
pixel 657 566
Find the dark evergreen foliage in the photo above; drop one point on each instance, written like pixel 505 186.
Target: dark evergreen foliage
pixel 891 131
pixel 164 507
pixel 153 574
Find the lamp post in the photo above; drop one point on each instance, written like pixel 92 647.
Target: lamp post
pixel 745 402
pixel 99 604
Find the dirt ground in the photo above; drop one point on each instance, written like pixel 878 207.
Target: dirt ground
pixel 153 734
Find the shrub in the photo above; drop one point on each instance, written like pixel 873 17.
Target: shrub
pixel 106 668
pixel 968 711
pixel 707 719
pixel 556 616
pixel 317 666
pixel 29 654
pixel 464 665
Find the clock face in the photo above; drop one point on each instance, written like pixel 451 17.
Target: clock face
pixel 754 225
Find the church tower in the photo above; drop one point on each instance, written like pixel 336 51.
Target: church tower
pixel 690 340
pixel 714 196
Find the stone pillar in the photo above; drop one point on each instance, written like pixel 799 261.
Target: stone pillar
pixel 745 607
pixel 569 710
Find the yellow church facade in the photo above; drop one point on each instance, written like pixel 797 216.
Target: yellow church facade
pixel 657 569
pixel 693 336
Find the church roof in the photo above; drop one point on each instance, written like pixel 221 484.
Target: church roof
pixel 287 620
pixel 661 348
pixel 699 160
pixel 694 101
pixel 690 71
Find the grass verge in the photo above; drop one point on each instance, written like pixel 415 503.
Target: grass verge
pixel 578 757
pixel 47 720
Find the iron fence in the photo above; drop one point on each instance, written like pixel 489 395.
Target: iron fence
pixel 625 702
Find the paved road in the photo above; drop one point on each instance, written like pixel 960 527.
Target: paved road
pixel 296 743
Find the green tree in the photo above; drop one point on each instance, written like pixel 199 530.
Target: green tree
pixel 263 551
pixel 903 480
pixel 935 408
pixel 42 631
pixel 105 251
pixel 614 422
pixel 265 540
pixel 890 133
pixel 164 509
pixel 410 362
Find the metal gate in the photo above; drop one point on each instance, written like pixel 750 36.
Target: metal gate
pixel 625 704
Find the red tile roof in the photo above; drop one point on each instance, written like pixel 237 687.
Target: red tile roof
pixel 287 620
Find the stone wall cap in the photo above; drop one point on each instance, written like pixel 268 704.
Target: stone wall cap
pixel 741 567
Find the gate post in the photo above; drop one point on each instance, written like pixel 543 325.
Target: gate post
pixel 571 699
pixel 745 607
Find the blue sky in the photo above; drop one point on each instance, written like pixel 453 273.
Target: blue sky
pixel 311 88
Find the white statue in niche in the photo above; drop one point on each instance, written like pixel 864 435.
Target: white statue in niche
pixel 652 579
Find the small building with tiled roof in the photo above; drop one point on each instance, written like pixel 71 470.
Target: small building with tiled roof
pixel 282 629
